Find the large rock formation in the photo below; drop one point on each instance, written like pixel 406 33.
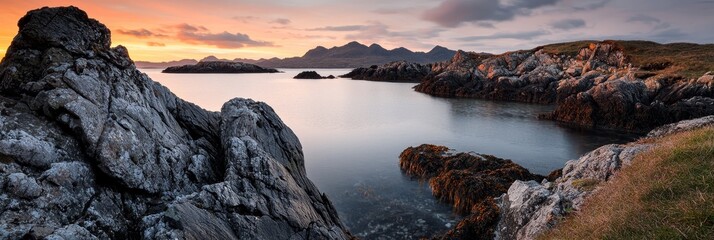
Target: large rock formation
pixel 91 148
pixel 596 86
pixel 400 71
pixel 219 67
pixel 469 181
pixel 529 207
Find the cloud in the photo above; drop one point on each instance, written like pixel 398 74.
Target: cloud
pixel 190 28
pixel 485 25
pixel 649 20
pixel 140 33
pixel 389 11
pixel 155 44
pixel 200 35
pixel 567 24
pixel 517 35
pixel 589 5
pixel 281 21
pixel 379 32
pixel 245 19
pixel 345 28
pixel 451 13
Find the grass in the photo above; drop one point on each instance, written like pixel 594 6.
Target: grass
pixel 585 184
pixel 667 193
pixel 678 59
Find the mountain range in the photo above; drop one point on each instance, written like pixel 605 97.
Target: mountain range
pixel 351 55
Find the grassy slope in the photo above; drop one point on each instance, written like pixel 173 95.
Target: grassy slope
pixel 667 193
pixel 685 59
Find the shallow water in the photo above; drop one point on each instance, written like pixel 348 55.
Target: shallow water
pixel 353 131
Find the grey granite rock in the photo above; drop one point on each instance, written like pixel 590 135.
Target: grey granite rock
pixel 91 148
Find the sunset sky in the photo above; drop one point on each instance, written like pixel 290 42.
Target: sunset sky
pixel 172 30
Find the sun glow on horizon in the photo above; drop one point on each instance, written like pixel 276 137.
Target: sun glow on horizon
pixel 163 31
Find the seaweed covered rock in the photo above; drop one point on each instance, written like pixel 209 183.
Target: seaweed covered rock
pixel 400 71
pixel 219 67
pixel 469 181
pixel 91 148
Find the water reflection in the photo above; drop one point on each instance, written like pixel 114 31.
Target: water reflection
pixel 353 131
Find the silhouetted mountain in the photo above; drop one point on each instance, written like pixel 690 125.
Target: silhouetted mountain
pixel 355 54
pixel 162 65
pixel 351 55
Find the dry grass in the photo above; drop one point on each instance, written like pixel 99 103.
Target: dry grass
pixel 667 193
pixel 684 59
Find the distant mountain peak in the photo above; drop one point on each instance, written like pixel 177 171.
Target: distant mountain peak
pixel 439 48
pixel 355 54
pixel 210 58
pixel 354 44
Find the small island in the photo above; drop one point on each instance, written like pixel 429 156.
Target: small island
pixel 219 67
pixel 311 75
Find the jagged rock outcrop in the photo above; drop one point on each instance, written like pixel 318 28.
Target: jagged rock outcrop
pixel 91 148
pixel 311 75
pixel 627 102
pixel 400 71
pixel 529 207
pixel 469 181
pixel 219 67
pixel 597 87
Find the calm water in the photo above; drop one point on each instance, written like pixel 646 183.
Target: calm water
pixel 353 131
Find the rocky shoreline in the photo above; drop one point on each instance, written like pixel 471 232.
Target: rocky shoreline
pixel 596 86
pixel 400 71
pixel 526 208
pixel 219 67
pixel 91 148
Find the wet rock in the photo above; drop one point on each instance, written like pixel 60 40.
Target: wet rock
pixel 469 181
pixel 91 148
pixel 219 67
pixel 400 71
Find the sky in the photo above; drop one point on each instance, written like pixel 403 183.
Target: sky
pixel 162 30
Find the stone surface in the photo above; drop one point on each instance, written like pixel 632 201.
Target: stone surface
pixel 91 148
pixel 400 71
pixel 219 67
